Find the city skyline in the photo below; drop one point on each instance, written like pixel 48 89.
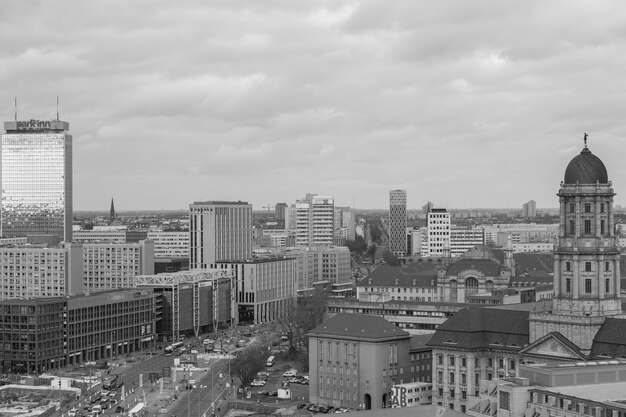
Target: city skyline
pixel 467 105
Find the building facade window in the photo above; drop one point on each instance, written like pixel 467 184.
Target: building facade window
pixel 587 286
pixel 505 400
pixel 607 286
pixel 607 266
pixel 571 208
pixel 601 227
pixel 572 227
pixel 568 266
pixel 587 227
pixel 587 208
pixel 587 266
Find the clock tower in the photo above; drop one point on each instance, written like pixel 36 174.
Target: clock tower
pixel 586 257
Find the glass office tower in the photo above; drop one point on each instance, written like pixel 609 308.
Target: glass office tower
pixel 36 181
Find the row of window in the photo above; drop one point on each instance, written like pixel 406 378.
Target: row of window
pixel 587 207
pixel 588 266
pixel 463 361
pixel 587 227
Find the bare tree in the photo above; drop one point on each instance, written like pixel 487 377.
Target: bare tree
pixel 309 313
pixel 250 361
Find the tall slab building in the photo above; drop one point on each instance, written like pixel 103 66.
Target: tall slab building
pixel 219 231
pixel 397 222
pixel 315 220
pixel 36 181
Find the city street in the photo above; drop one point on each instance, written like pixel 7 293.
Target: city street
pixel 211 389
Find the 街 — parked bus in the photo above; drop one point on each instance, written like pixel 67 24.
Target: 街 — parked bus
pixel 171 348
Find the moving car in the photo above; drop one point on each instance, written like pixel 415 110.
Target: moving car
pixel 257 383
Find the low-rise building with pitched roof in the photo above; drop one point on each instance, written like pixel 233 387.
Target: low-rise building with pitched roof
pixel 355 360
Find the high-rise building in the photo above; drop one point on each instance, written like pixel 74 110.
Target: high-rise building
pixel 315 220
pixel 438 224
pixel 397 222
pixel 36 181
pixel 280 210
pixel 529 209
pixel 219 231
pixel 345 223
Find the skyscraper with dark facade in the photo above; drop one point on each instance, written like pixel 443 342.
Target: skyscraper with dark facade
pixel 36 180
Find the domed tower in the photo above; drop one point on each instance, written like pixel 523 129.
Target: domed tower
pixel 586 258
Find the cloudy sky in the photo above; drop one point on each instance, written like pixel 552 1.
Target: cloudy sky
pixel 463 103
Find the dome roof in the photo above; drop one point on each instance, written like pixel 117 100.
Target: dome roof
pixel 586 168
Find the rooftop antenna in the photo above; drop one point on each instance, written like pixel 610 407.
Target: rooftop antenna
pixel 16 108
pixel 585 139
pixel 57 108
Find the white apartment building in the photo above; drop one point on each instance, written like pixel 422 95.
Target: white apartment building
pixel 318 263
pixel 265 289
pixel 108 266
pixel 170 245
pixel 520 232
pixel 438 225
pixel 315 221
pixel 416 240
pixel 464 239
pixel 219 231
pixel 345 223
pixel 278 237
pixel 397 222
pixel 28 272
pixel 97 235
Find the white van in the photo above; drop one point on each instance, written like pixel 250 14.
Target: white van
pixel 270 361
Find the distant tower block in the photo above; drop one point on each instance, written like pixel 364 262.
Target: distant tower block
pixel 112 212
pixel 397 222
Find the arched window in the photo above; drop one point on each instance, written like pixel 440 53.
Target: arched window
pixel 587 208
pixel 471 285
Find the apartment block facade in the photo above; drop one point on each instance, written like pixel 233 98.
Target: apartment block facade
pixel 219 231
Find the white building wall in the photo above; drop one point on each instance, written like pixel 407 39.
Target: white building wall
pixel 109 266
pixel 170 245
pixel 438 224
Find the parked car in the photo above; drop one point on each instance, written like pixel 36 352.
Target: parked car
pixel 291 372
pixel 257 383
pixel 294 380
pixel 119 409
pixel 303 405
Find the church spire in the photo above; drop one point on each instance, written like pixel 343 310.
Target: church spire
pixel 112 212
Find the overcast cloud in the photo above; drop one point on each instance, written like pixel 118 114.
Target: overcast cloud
pixel 464 103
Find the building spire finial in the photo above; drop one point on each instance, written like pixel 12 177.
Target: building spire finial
pixel 585 140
